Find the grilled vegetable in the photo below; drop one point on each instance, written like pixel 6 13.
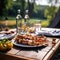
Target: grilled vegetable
pixel 5 45
pixel 9 44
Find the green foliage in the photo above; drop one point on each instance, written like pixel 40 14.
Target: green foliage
pixel 4 6
pixel 50 12
pixel 35 8
pixel 50 1
pixel 45 23
pixel 18 4
pixel 8 3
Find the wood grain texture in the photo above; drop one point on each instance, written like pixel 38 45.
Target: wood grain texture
pixel 17 53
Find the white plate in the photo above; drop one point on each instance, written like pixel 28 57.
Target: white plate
pixel 49 33
pixel 22 45
pixel 7 36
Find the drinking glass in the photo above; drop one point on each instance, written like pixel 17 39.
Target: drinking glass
pixel 37 26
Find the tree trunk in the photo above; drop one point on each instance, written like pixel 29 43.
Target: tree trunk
pixel 23 7
pixel 31 8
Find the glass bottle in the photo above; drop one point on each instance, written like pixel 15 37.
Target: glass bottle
pixel 26 18
pixel 26 21
pixel 18 22
pixel 6 23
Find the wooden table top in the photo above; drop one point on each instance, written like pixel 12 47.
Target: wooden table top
pixel 39 53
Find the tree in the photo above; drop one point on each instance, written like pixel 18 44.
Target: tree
pixel 51 10
pixel 4 6
pixel 55 22
pixel 23 7
pixel 31 7
pixel 50 1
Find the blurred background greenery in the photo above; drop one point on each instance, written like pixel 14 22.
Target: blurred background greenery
pixel 44 13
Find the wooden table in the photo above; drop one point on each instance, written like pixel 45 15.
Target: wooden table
pixel 41 53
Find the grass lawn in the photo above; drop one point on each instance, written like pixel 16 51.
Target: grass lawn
pixel 11 23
